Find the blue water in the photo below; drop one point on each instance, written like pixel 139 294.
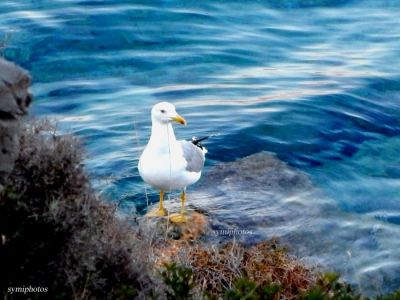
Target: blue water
pixel 316 82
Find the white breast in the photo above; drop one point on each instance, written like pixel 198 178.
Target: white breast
pixel 165 170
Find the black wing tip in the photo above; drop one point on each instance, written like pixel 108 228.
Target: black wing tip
pixel 197 141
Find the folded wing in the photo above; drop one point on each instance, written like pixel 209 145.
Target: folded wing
pixel 193 155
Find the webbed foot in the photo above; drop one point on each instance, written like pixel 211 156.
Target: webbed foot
pixel 178 218
pixel 157 212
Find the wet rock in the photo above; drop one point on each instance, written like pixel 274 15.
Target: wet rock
pixel 14 102
pixel 161 228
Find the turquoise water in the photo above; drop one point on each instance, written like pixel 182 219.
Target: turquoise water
pixel 316 82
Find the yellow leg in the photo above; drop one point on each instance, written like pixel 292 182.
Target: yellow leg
pixel 183 198
pixel 160 212
pixel 180 218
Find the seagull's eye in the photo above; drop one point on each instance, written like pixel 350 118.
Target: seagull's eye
pixel 163 111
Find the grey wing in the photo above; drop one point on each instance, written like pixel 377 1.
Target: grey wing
pixel 193 155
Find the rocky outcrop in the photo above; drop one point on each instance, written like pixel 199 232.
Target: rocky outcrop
pixel 14 102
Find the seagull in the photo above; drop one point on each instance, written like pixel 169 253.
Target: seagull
pixel 167 164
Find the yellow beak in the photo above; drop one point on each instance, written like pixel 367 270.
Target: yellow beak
pixel 179 119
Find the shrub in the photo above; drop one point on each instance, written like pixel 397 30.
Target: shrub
pixel 393 296
pixel 247 289
pixel 179 281
pixel 55 232
pixel 266 264
pixel 328 286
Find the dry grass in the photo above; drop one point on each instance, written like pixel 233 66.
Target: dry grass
pixel 217 268
pixel 267 263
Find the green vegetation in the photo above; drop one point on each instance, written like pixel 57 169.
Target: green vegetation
pixel 179 282
pixel 328 286
pixel 56 233
pixel 246 289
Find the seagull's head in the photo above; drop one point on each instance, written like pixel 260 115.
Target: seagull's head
pixel 164 112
